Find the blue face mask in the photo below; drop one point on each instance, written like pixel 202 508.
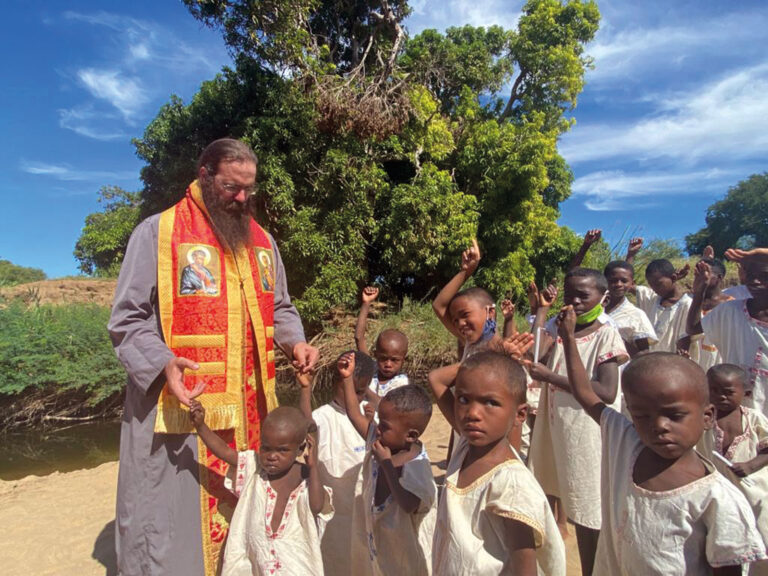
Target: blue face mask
pixel 489 329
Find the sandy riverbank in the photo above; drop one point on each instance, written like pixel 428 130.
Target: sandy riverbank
pixel 63 524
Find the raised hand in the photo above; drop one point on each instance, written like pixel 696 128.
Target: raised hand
pixel 470 258
pixel 507 309
pixel 709 253
pixel 736 255
pixel 682 272
pixel 566 322
pixel 304 379
pixel 634 246
pixel 516 346
pixel 533 297
pixel 547 296
pixel 174 378
pixel 701 275
pixel 592 236
pixel 369 410
pixel 346 365
pixel 196 413
pixel 370 293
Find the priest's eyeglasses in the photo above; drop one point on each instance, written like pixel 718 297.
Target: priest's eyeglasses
pixel 234 189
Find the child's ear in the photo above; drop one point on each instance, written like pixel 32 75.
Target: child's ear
pixel 709 416
pixel 412 436
pixel 522 414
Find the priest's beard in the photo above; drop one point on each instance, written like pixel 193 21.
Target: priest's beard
pixel 231 220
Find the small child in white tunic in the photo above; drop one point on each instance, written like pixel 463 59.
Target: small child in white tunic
pixel 634 326
pixel 666 509
pixel 274 528
pixel 665 303
pixel 741 436
pixel 390 351
pixel 340 453
pixel 399 496
pixel 565 447
pixel 493 517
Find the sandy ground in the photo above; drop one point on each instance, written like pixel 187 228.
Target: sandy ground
pixel 63 524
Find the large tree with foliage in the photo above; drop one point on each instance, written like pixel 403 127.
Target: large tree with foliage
pixel 381 156
pixel 101 246
pixel 738 220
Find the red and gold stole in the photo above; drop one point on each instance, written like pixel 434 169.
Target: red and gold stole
pixel 224 322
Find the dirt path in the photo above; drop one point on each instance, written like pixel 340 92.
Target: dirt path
pixel 63 524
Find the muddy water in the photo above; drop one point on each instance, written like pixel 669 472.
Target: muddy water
pixel 42 452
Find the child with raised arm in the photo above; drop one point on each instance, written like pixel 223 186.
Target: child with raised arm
pixel 664 301
pixel 390 351
pixel 666 509
pixel 739 328
pixel 740 436
pixel 399 496
pixel 274 528
pixel 340 453
pixel 493 517
pixel 565 447
pixel 634 326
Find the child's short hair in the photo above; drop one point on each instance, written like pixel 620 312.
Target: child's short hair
pixel 661 364
pixel 618 265
pixel 508 370
pixel 290 418
pixel 393 334
pixel 365 367
pixel 477 294
pixel 600 282
pixel 661 266
pixel 413 402
pixel 728 372
pixel 716 266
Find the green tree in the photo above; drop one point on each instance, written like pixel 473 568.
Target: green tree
pixel 380 156
pixel 12 274
pixel 738 220
pixel 101 246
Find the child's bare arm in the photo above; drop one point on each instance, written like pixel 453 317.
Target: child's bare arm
pixel 634 246
pixel 408 501
pixel 742 469
pixel 346 367
pixel 522 549
pixel 700 281
pixel 508 311
pixel 305 393
pixel 314 484
pixel 546 298
pixel 469 262
pixel 590 238
pixel 209 437
pixel 581 387
pixel 441 381
pixel 370 293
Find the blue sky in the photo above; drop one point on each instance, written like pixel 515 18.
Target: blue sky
pixel 672 115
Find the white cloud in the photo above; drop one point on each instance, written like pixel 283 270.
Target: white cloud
pixel 67 173
pixel 726 119
pixel 125 94
pixel 86 122
pixel 443 14
pixel 619 190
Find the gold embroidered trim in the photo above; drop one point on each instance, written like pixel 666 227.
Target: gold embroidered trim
pixel 271 356
pixel 270 330
pixel 209 369
pixel 198 341
pixel 209 561
pixel 538 529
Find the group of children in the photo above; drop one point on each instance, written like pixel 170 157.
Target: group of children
pixel 602 415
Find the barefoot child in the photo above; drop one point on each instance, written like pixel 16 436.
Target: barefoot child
pixel 274 526
pixel 666 510
pixel 741 436
pixel 565 448
pixel 493 517
pixel 340 453
pixel 390 351
pixel 399 496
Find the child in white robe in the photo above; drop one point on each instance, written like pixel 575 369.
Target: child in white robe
pixel 633 324
pixel 565 448
pixel 390 351
pixel 665 303
pixel 399 496
pixel 274 528
pixel 493 517
pixel 739 328
pixel 666 509
pixel 740 435
pixel 340 453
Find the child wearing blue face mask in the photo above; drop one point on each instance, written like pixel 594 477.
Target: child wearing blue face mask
pixel 565 445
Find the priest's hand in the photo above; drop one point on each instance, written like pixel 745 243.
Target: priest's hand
pixel 174 378
pixel 304 357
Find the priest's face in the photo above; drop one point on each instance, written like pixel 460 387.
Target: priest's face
pixel 226 194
